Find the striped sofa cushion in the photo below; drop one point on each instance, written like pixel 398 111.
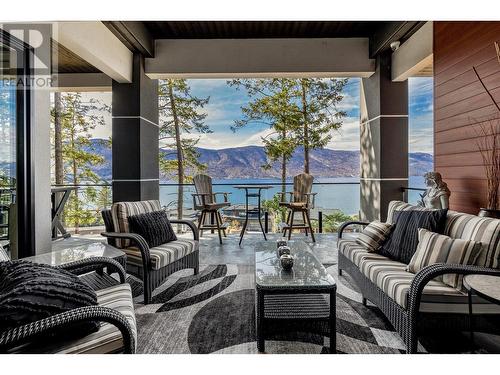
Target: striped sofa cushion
pixel 3 254
pixel 436 248
pixel 402 206
pixel 108 338
pixel 374 235
pixel 437 297
pixel 164 254
pixel 355 252
pixel 120 212
pixel 479 229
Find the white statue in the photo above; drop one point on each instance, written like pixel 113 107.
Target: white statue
pixel 437 194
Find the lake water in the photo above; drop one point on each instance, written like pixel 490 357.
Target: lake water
pixel 332 193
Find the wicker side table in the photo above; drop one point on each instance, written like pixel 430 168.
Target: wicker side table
pixel 484 286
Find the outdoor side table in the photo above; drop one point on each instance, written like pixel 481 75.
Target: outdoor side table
pixel 68 251
pixel 252 191
pixel 484 286
pixel 295 299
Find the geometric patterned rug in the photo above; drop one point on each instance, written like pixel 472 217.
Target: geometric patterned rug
pixel 214 312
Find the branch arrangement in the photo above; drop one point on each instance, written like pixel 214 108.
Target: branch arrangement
pixel 488 144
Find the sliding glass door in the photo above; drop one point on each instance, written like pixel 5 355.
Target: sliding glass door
pixel 16 211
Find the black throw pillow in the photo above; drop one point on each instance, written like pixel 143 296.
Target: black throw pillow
pixel 403 240
pixel 153 226
pixel 30 292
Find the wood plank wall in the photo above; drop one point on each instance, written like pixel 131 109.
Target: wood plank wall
pixel 460 103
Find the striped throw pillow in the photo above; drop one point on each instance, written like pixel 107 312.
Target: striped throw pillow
pixel 437 248
pixel 374 235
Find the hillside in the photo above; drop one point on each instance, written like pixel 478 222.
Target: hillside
pixel 246 162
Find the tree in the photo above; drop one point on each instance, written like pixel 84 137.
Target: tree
pixel 74 121
pixel 180 113
pixel 318 104
pixel 272 103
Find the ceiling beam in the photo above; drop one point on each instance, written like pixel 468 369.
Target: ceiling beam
pixel 257 58
pixel 81 82
pixel 414 55
pixel 134 35
pixel 95 43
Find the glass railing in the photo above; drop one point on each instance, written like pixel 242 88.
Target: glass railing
pixel 335 202
pixel 412 195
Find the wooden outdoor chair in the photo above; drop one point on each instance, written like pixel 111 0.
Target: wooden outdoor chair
pixel 300 200
pixel 205 201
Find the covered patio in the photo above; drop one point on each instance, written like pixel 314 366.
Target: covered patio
pixel 211 307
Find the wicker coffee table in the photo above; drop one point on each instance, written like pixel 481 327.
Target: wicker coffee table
pixel 296 299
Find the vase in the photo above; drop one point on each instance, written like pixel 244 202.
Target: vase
pixel 489 212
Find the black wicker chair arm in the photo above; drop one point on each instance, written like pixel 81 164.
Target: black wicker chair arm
pixel 82 266
pixel 420 281
pixel 24 334
pixel 138 240
pixel 191 225
pixel 348 223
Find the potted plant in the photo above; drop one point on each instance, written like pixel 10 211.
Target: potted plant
pixel 488 144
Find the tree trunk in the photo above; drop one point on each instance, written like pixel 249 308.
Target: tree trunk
pixel 74 168
pixel 180 156
pixel 58 147
pixel 283 183
pixel 306 126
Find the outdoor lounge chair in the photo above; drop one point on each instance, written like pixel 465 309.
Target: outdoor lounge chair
pixel 205 200
pixel 152 265
pixel 115 309
pixel 301 200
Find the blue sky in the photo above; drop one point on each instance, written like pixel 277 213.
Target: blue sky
pixel 225 107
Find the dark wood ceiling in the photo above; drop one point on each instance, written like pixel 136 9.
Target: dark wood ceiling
pixel 65 61
pixel 259 29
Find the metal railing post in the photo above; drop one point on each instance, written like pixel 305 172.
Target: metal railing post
pixel 320 221
pixel 266 221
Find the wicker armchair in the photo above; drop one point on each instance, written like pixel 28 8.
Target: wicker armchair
pixel 148 263
pixel 118 335
pixel 419 315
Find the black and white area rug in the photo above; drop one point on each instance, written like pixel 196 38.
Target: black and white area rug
pixel 214 312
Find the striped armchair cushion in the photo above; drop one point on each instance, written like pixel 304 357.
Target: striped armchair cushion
pixel 164 254
pixel 3 254
pixel 108 338
pixel 120 212
pixel 374 235
pixel 402 206
pixel 478 229
pixel 436 248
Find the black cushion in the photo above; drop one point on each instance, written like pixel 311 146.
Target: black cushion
pixel 30 292
pixel 153 226
pixel 403 239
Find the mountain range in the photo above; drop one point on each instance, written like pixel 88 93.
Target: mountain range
pixel 246 162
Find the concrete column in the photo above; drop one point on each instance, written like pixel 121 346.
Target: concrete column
pixel 384 140
pixel 135 137
pixel 41 170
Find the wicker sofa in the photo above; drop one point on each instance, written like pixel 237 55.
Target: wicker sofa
pixel 115 309
pixel 152 265
pixel 415 303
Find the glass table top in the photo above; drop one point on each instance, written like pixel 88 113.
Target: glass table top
pixel 307 270
pixel 73 253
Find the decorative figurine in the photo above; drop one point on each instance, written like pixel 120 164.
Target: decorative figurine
pixel 280 243
pixel 437 194
pixel 286 261
pixel 283 250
